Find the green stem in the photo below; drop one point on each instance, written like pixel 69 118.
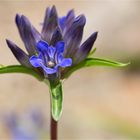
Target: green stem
pixel 56 100
pixel 56 106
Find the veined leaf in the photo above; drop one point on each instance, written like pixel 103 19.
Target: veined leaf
pixel 56 100
pixel 19 69
pixel 94 62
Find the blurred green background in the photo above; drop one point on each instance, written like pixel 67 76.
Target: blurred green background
pixel 99 102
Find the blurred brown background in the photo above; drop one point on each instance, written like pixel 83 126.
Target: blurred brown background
pixel 99 102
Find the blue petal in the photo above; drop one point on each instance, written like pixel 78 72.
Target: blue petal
pixel 59 58
pixel 49 70
pixel 62 21
pixel 42 46
pixel 36 61
pixel 51 52
pixel 60 47
pixel 66 62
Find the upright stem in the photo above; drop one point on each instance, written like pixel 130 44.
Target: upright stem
pixel 53 129
pixel 56 107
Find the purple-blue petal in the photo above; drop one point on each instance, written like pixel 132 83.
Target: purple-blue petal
pixel 36 61
pixel 42 46
pixel 60 47
pixel 49 70
pixel 66 62
pixel 62 22
pixel 51 52
pixel 59 58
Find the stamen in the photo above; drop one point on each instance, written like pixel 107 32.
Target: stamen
pixel 51 64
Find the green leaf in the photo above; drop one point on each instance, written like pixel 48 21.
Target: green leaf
pixel 92 52
pixel 94 62
pixel 56 100
pixel 19 69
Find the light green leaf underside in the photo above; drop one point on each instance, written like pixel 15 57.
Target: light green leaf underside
pixel 19 69
pixel 94 62
pixel 56 100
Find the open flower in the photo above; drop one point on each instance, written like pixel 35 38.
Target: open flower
pixel 55 53
pixel 50 58
pixel 57 46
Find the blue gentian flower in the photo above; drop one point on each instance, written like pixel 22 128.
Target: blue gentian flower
pixel 54 53
pixel 50 58
pixel 57 48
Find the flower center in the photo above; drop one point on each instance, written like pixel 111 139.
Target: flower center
pixel 51 64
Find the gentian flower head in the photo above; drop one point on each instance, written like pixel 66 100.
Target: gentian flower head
pixel 50 58
pixel 54 53
pixel 57 48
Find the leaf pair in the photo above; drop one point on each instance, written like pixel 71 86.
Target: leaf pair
pixel 56 91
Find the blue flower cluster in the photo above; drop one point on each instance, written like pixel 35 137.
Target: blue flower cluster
pixel 57 46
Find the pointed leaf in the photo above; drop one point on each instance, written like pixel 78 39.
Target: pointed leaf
pixel 94 62
pixel 56 100
pixel 19 69
pixel 92 52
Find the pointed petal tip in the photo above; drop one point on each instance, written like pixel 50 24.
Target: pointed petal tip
pixel 70 12
pixel 24 19
pixel 96 33
pixel 17 19
pixel 7 40
pixel 17 15
pixel 20 55
pixel 85 48
pixel 47 11
pixel 53 9
pixel 81 19
pixel 10 43
pixel 94 36
pixel 21 18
